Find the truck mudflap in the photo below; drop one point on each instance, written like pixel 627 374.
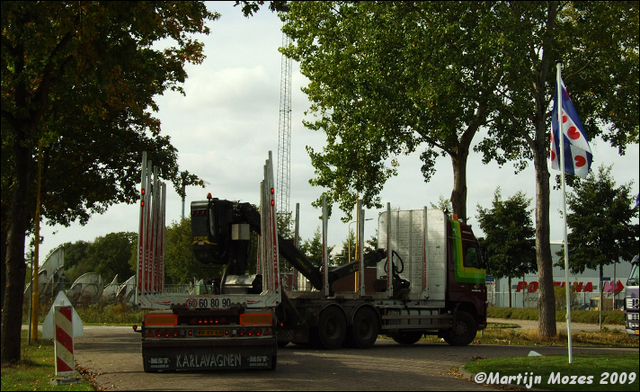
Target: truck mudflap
pixel 199 355
pixel 293 335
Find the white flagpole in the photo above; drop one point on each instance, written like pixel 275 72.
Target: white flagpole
pixel 564 211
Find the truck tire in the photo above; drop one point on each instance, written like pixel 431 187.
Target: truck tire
pixel 464 330
pixel 407 337
pixel 365 328
pixel 332 327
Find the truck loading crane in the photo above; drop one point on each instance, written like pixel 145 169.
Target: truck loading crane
pixel 429 280
pixel 221 230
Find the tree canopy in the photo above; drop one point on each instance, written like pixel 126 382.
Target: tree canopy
pixel 181 265
pixel 388 78
pixel 78 87
pixel 600 222
pixel 109 255
pixel 509 235
pixel 312 248
pixel 584 37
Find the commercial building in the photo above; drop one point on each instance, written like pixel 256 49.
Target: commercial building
pixel 524 290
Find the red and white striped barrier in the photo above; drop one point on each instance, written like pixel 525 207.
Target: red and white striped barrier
pixel 65 362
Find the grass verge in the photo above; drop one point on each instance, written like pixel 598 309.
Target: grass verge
pixel 513 335
pixel 577 316
pixel 593 372
pixel 36 369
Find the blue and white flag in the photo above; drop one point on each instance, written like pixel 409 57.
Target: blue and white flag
pixel 577 153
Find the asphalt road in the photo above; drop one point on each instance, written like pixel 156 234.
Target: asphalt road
pixel 112 355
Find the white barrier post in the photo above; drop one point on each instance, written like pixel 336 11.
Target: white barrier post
pixel 65 365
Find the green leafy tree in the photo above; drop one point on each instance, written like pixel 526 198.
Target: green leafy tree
pixel 442 205
pixel 509 236
pixel 600 220
pixel 585 37
pixel 109 256
pixel 69 96
pixel 285 229
pixel 73 273
pixel 312 248
pixel 75 259
pixel 391 78
pixel 348 253
pixel 251 7
pixel 386 79
pixel 75 253
pixel 372 243
pixel 181 266
pixel 349 248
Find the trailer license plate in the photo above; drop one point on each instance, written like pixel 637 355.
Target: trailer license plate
pixel 210 332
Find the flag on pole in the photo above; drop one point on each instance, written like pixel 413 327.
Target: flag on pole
pixel 577 153
pixel 563 158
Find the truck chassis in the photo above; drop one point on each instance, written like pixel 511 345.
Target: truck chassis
pixel 426 285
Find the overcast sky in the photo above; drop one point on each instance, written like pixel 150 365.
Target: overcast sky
pixel 227 123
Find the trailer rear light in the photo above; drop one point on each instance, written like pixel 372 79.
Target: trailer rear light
pixel 256 319
pixel 163 333
pixel 194 320
pixel 253 332
pixel 160 319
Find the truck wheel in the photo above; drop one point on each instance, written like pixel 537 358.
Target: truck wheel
pixel 463 332
pixel 332 327
pixel 407 337
pixel 365 328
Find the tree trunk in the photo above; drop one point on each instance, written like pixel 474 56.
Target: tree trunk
pixel 539 148
pixel 3 255
pixel 459 192
pixel 15 265
pixel 546 299
pixel 459 161
pixel 601 293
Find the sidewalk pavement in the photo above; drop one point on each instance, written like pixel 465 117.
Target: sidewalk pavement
pixel 561 326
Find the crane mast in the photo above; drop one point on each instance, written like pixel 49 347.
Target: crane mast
pixel 284 134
